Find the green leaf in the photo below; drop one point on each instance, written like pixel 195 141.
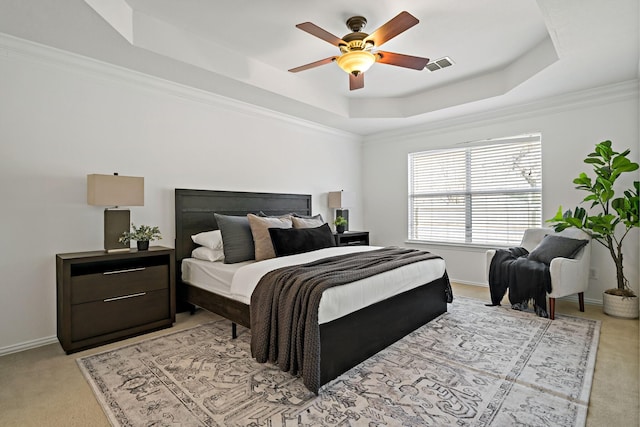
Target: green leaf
pixel 594 161
pixel 574 222
pixel 629 167
pixel 620 161
pixel 605 151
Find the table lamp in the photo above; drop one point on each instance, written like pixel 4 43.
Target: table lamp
pixel 113 191
pixel 338 200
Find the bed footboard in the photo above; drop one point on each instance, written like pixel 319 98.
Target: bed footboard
pixel 351 339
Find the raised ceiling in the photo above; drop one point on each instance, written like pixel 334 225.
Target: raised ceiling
pixel 505 52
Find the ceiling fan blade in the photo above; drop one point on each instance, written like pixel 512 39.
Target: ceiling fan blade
pixel 400 60
pixel 313 64
pixel 356 82
pixel 314 30
pixel 402 22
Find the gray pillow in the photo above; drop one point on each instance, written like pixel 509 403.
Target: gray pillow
pixel 556 247
pixel 237 240
pixel 307 222
pixel 318 216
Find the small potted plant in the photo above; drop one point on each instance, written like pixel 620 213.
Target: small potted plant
pixel 613 220
pixel 142 235
pixel 340 224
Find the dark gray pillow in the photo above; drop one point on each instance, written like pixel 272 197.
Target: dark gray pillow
pixel 291 241
pixel 556 247
pixel 237 240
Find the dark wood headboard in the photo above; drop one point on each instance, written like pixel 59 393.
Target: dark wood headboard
pixel 195 209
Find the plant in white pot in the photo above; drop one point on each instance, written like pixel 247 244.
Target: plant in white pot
pixel 612 222
pixel 142 235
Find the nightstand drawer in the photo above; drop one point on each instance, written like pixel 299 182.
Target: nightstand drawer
pixel 118 282
pixel 110 315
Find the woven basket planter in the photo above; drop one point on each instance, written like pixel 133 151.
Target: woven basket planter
pixel 618 306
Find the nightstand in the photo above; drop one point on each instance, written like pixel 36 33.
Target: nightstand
pixel 103 297
pixel 352 238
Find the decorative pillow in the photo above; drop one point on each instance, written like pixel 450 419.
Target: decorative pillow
pixel 208 254
pixel 290 241
pixel 307 222
pixel 308 216
pixel 260 231
pixel 208 239
pixel 556 247
pixel 237 240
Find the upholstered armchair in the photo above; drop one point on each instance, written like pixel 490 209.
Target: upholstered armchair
pixel 568 275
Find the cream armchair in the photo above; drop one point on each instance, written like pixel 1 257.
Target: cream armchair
pixel 568 276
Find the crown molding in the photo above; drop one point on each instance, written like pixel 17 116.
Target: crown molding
pixel 15 47
pixel 581 99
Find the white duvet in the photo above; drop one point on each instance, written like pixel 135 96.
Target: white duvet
pixel 341 300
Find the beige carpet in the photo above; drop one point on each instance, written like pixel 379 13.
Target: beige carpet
pixel 43 386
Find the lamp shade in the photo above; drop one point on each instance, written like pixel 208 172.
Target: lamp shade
pixel 339 199
pixel 115 190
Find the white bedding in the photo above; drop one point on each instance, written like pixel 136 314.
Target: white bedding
pixel 336 302
pixel 211 276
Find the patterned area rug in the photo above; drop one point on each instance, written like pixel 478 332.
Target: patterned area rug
pixel 473 366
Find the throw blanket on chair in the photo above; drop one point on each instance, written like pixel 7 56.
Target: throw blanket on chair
pixel 284 306
pixel 525 279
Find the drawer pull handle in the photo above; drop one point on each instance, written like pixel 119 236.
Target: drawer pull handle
pixel 125 297
pixel 128 270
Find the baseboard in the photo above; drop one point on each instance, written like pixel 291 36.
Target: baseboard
pixel 28 345
pixel 589 301
pixel 464 282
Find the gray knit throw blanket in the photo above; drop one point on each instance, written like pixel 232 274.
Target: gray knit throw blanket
pixel 284 306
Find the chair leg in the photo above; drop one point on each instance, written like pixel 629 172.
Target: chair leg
pixel 581 300
pixel 552 308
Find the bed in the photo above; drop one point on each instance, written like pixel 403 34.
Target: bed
pixel 346 340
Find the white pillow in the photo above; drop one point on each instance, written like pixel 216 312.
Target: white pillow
pixel 207 254
pixel 209 239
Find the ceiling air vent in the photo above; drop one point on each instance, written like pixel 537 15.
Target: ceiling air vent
pixel 439 64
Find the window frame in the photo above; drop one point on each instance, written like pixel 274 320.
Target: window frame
pixel 514 235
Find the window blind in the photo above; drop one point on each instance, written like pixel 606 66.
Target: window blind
pixel 484 193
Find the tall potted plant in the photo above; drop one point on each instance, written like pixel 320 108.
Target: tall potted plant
pixel 614 218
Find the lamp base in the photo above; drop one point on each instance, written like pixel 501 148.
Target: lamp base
pixel 116 222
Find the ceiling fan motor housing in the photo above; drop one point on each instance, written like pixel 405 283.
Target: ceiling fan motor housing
pixel 356 23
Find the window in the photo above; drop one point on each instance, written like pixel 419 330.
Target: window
pixel 483 193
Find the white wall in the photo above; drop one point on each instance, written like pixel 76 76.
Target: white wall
pixel 570 128
pixel 63 117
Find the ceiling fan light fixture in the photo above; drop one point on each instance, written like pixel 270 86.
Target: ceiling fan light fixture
pixel 356 61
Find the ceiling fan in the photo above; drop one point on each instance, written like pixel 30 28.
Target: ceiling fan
pixel 359 50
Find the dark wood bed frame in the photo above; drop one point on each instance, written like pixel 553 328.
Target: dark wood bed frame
pixel 344 342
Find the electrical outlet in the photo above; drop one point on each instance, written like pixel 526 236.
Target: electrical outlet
pixel 593 273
